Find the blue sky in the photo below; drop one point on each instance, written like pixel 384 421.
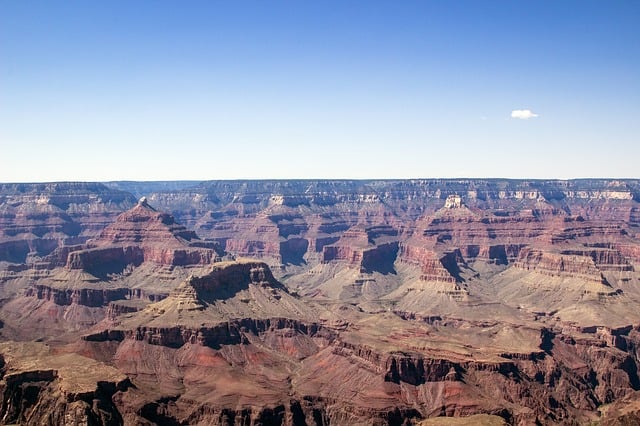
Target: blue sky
pixel 152 90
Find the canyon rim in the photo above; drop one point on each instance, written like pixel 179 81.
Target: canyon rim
pixel 320 302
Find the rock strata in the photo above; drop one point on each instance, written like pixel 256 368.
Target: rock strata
pixel 363 302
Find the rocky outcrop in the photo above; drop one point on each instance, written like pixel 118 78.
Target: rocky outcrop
pixel 215 336
pixel 95 258
pixel 82 296
pixel 254 248
pixel 121 307
pixel 629 251
pixel 145 225
pixel 139 235
pixel 38 388
pixel 15 251
pixel 118 258
pixel 528 292
pixel 49 215
pixel 143 234
pixel 605 259
pixel 368 249
pixel 565 264
pixel 438 267
pixel 228 278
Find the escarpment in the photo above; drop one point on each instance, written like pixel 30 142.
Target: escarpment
pixel 560 264
pixel 142 256
pixel 320 302
pixel 40 387
pixel 142 234
pixel 368 249
pixel 37 218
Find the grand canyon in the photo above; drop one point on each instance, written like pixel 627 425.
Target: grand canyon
pixel 320 302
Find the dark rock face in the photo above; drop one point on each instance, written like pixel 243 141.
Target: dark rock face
pixel 85 296
pixel 42 388
pixel 29 398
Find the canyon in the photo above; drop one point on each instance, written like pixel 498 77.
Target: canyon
pixel 320 302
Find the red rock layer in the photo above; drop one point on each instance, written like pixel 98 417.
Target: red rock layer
pixel 143 234
pixel 146 226
pixel 367 248
pixel 559 265
pixel 439 267
pixel 564 379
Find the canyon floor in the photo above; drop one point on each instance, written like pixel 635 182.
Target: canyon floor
pixel 406 302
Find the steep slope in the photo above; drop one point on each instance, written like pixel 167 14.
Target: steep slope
pixel 141 257
pixel 37 218
pixel 235 325
pixel 40 387
pixel 233 344
pixel 397 300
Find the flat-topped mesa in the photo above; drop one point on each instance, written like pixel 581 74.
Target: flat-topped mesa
pixel 230 277
pixel 372 248
pixel 213 308
pixel 454 211
pixel 143 234
pixel 438 267
pixel 567 264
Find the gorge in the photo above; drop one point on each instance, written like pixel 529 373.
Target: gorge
pixel 318 302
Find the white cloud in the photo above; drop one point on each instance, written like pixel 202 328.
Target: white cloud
pixel 523 114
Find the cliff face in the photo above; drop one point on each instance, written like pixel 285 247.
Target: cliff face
pixel 557 377
pixel 38 387
pixel 132 259
pixel 366 248
pixel 143 234
pixel 560 264
pixel 291 222
pixel 423 298
pixel 37 218
pixel 84 296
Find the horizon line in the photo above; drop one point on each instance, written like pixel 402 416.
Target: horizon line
pixel 387 179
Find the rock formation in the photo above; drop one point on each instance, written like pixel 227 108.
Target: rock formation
pixel 142 234
pixel 40 387
pixel 135 257
pixel 338 302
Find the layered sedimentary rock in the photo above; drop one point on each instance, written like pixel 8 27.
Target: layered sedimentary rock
pixel 565 264
pixel 403 369
pixel 291 221
pixel 143 234
pixel 398 300
pixel 131 259
pixel 367 248
pixel 40 387
pixel 37 218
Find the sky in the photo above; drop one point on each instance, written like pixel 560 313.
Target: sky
pixel 204 90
